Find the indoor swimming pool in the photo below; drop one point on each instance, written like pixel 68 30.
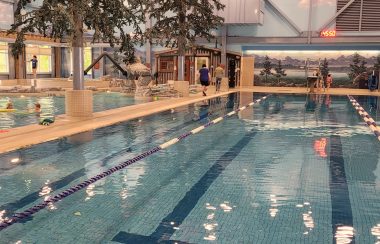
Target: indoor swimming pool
pixel 55 105
pixel 291 169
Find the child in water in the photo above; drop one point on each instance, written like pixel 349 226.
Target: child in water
pixel 37 108
pixel 9 105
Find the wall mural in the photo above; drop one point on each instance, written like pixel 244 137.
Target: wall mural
pixel 349 69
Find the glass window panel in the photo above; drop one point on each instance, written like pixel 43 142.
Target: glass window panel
pixel 44 58
pixel 4 65
pixel 3 47
pixel 44 64
pixel 87 58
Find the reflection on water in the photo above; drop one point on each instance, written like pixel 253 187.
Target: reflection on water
pixel 210 224
pixel 90 192
pixel 375 231
pixel 344 234
pixel 45 191
pixel 320 147
pixel 273 203
pixel 2 214
pixel 307 217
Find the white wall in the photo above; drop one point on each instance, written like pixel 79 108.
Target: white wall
pixel 296 10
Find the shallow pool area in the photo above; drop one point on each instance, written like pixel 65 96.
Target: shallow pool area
pixel 55 105
pixel 291 169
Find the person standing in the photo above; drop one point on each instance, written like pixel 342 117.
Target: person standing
pixel 219 74
pixel 34 66
pixel 329 80
pixel 204 77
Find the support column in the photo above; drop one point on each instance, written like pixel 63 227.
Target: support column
pixel 53 63
pixel 309 24
pixel 103 64
pixel 181 67
pixel 247 71
pixel 78 61
pixel 223 58
pixel 58 61
pixel 20 72
pixel 78 102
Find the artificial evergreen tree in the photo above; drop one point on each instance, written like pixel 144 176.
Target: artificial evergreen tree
pixel 324 69
pixel 279 71
pixel 362 67
pixel 68 20
pixel 376 66
pixel 267 68
pixel 357 67
pixel 176 23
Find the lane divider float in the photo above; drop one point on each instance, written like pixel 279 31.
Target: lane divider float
pixel 36 208
pixel 366 117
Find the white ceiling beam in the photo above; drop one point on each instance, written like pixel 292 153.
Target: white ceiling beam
pixel 282 15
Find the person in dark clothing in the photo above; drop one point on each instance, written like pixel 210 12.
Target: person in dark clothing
pixel 204 77
pixel 34 66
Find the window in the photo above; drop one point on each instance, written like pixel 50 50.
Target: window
pixel 4 67
pixel 166 64
pixel 87 56
pixel 43 54
pixel 87 59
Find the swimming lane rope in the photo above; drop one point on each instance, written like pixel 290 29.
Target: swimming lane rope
pixel 36 208
pixel 366 117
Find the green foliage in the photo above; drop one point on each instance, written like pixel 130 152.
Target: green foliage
pixel 128 50
pixel 362 67
pixel 267 68
pixel 324 69
pixel 279 71
pixel 176 23
pixel 300 82
pixel 355 68
pixel 68 20
pixel 376 66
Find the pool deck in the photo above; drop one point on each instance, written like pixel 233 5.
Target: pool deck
pixel 26 136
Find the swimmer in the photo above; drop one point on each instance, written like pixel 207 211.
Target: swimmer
pixel 9 105
pixel 37 107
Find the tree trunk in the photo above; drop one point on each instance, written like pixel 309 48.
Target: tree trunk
pixel 181 41
pixel 77 54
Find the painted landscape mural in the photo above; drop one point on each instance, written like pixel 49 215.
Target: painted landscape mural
pixel 349 69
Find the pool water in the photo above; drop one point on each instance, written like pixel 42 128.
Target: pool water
pixel 292 169
pixel 55 105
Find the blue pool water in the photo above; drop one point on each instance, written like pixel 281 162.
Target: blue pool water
pixel 293 169
pixel 51 106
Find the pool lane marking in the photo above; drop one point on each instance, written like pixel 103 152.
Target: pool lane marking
pixel 166 229
pixel 200 128
pixel 341 210
pixel 17 217
pixel 366 117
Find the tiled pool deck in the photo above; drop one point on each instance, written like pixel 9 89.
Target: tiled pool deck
pixel 34 134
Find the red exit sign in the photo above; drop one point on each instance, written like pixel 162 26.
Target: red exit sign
pixel 328 33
